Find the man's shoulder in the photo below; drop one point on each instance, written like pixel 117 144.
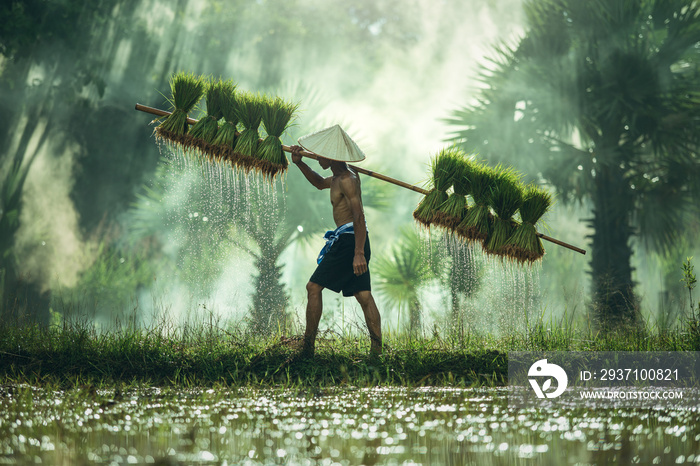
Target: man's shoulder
pixel 349 181
pixel 349 175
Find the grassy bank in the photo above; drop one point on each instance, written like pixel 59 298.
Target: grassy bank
pixel 205 354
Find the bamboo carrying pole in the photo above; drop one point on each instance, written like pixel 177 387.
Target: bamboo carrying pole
pixel 364 171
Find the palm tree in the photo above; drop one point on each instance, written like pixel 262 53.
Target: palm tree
pixel 602 100
pixel 402 273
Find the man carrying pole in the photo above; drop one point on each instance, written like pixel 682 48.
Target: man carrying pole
pixel 343 261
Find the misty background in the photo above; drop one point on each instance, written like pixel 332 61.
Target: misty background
pixel 109 224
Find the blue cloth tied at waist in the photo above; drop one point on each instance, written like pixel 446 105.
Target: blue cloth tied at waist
pixel 332 236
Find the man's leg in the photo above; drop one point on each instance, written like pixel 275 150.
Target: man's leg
pixel 374 321
pixel 314 308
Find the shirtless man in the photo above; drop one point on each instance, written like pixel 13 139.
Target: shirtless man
pixel 343 261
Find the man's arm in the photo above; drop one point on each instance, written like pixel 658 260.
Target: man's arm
pixel 350 187
pixel 314 178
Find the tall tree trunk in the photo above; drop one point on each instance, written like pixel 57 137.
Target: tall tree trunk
pixel 614 303
pixel 269 305
pixel 414 316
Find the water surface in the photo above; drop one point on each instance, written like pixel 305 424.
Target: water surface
pixel 344 426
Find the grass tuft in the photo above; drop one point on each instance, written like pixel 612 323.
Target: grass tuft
pixel 186 91
pixel 225 139
pixel 250 110
pixel 206 354
pixel 524 245
pixel 202 135
pixel 451 213
pixel 276 116
pixel 443 167
pixel 505 198
pixel 477 222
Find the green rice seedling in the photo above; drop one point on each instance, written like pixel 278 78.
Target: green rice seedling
pixel 276 116
pixel 187 90
pixel 225 139
pixel 250 109
pixel 524 245
pixel 203 133
pixel 505 198
pixel 451 213
pixel 443 167
pixel 478 221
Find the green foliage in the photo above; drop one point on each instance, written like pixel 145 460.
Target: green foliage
pixel 207 352
pixel 425 212
pixel 443 167
pixel 536 203
pixel 478 221
pixel 402 273
pixel 689 280
pixel 225 139
pixel 250 111
pixel 28 24
pixel 229 102
pixel 451 213
pixel 524 245
pixel 506 193
pixel 186 91
pixel 505 198
pixel 112 282
pixel 207 127
pixel 462 182
pixel 601 99
pixel 693 319
pixel 277 115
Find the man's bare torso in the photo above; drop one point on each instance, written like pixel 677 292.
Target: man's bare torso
pixel 342 212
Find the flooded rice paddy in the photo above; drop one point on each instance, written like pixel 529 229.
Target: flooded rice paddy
pixel 343 426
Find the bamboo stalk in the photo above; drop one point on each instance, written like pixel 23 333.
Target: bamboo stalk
pixel 364 171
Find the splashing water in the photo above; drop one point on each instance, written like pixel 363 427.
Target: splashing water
pixel 211 215
pixel 494 295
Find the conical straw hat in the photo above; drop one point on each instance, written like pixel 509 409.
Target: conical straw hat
pixel 332 143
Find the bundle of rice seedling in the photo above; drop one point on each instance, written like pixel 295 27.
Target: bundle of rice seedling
pixel 524 245
pixel 451 213
pixel 223 144
pixel 250 109
pixel 187 90
pixel 203 133
pixel 505 198
pixel 478 221
pixel 443 167
pixel 276 116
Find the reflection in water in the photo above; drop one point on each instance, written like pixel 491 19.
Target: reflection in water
pixel 330 426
